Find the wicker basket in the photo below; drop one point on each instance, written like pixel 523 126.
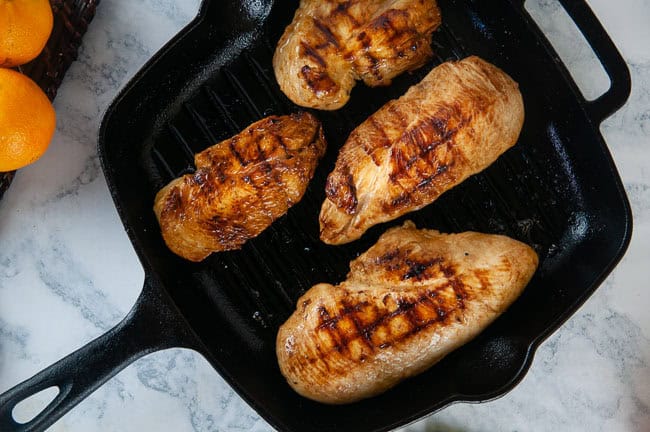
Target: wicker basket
pixel 71 20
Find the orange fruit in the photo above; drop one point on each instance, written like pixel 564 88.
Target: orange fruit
pixel 25 27
pixel 27 120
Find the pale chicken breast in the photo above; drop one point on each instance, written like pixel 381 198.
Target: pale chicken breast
pixel 333 43
pixel 240 186
pixel 411 299
pixel 456 122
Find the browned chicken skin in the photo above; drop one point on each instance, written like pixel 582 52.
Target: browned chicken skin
pixel 241 185
pixel 411 299
pixel 451 125
pixel 332 43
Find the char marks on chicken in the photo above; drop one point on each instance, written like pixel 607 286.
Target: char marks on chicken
pixel 456 122
pixel 411 299
pixel 331 44
pixel 240 186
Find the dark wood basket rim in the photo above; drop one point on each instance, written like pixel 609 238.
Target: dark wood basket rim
pixel 71 20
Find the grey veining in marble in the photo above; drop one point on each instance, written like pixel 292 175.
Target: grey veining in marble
pixel 68 272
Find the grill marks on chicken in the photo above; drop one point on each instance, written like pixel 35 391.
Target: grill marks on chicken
pixel 412 298
pixel 332 43
pixel 396 318
pixel 240 186
pixel 456 122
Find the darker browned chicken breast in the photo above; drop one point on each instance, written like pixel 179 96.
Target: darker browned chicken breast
pixel 332 43
pixel 453 124
pixel 240 186
pixel 411 299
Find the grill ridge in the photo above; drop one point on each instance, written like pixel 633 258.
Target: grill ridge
pixel 183 143
pixel 161 163
pixel 218 103
pixel 445 42
pixel 270 87
pixel 241 91
pixel 279 297
pixel 200 123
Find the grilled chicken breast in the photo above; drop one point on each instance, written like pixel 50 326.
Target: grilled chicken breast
pixel 411 299
pixel 240 186
pixel 332 43
pixel 453 124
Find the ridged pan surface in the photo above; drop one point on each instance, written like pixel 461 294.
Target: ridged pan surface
pixel 555 190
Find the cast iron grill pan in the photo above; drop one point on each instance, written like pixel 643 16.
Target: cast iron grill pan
pixel 556 190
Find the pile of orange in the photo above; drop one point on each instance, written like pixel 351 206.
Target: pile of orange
pixel 27 118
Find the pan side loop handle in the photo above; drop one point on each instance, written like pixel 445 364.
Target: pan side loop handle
pixel 153 324
pixel 608 55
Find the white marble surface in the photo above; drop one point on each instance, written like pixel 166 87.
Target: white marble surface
pixel 68 272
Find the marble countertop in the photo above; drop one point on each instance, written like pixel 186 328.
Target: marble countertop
pixel 68 272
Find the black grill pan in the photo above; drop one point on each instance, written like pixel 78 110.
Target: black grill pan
pixel 556 190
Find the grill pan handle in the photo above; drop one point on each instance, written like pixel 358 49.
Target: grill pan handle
pixel 613 63
pixel 608 55
pixel 153 324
